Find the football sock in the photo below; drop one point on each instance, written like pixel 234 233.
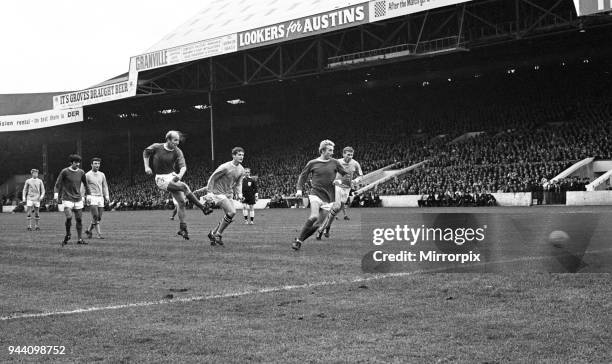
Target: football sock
pixel 79 227
pixel 223 224
pixel 30 221
pixel 36 220
pixel 329 219
pixel 68 224
pixel 183 226
pixel 308 229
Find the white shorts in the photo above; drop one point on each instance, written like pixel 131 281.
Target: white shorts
pixel 323 205
pixel 342 194
pixel 97 201
pixel 30 203
pixel 163 180
pixel 214 198
pixel 73 205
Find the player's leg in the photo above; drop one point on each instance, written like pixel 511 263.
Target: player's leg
pixel 326 225
pixel 347 205
pixel 179 197
pixel 230 211
pixel 184 188
pixel 245 212
pixel 93 208
pixel 78 216
pixel 252 214
pixel 321 221
pixel 98 228
pixel 29 215
pixel 36 216
pixel 175 209
pixel 340 194
pixel 68 213
pixel 310 226
pixel 344 207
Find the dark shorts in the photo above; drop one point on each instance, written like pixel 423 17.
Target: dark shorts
pixel 249 201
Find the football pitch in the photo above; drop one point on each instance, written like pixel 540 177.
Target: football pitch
pixel 143 294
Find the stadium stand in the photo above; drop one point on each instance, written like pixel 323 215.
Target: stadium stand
pixel 525 126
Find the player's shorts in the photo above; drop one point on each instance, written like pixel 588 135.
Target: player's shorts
pixel 97 201
pixel 249 201
pixel 30 203
pixel 323 205
pixel 72 205
pixel 163 180
pixel 342 193
pixel 215 198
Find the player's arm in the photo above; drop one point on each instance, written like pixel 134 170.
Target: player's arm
pixel 340 169
pixel 146 154
pixel 181 163
pixel 58 185
pixel 238 188
pixel 24 194
pixel 255 190
pixel 302 178
pixel 42 191
pixel 105 188
pixel 359 172
pixel 84 183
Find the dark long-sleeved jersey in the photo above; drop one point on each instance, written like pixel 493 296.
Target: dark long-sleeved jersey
pixel 323 176
pixel 68 184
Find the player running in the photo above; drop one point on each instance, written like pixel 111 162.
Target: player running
pixel 250 194
pixel 33 193
pixel 68 189
pixel 164 157
pixel 224 184
pixel 343 190
pixel 322 194
pixel 98 187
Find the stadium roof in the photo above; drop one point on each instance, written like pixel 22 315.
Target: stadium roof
pixel 222 17
pixel 14 104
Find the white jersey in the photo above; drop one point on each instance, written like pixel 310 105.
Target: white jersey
pixel 227 180
pixel 97 184
pixel 353 168
pixel 33 189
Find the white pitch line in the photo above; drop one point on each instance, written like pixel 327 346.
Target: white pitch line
pixel 263 290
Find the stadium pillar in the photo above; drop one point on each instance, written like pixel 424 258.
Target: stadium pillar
pixel 79 145
pixel 45 166
pixel 130 169
pixel 212 129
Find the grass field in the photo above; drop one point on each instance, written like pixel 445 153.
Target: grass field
pixel 145 295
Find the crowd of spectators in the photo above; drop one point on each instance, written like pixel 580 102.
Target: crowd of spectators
pixel 519 132
pixel 508 134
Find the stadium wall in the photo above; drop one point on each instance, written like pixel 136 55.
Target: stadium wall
pixel 590 198
pixel 503 199
pixel 513 199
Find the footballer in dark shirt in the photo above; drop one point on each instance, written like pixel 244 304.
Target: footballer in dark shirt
pixel 322 196
pixel 163 157
pixel 68 190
